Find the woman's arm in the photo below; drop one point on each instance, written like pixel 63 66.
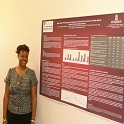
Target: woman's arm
pixel 5 102
pixel 34 102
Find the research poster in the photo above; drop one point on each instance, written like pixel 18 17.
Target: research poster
pixel 82 63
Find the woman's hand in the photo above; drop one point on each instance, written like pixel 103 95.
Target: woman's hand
pixel 32 121
pixel 5 122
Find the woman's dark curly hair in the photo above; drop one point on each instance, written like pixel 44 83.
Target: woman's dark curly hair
pixel 22 47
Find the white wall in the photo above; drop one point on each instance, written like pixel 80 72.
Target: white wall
pixel 20 22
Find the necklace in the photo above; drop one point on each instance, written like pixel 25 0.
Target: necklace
pixel 19 79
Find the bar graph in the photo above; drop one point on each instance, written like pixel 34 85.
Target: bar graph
pixel 76 56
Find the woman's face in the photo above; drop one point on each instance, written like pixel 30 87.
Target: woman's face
pixel 23 58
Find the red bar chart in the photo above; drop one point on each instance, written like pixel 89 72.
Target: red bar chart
pixel 76 56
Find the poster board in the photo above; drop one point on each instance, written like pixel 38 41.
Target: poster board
pixel 82 63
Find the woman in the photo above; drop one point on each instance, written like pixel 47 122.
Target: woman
pixel 20 98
